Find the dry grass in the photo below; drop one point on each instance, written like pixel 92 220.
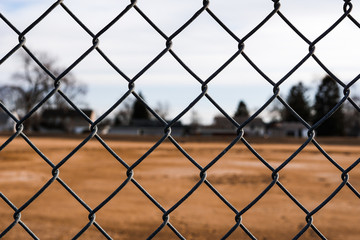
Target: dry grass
pixel 167 175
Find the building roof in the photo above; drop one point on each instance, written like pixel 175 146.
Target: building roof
pixel 49 113
pixel 223 122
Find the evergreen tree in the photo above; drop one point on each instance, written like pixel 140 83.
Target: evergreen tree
pixel 298 101
pixel 241 110
pixel 327 96
pixel 139 110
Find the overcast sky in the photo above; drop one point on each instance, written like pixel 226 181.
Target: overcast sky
pixel 204 46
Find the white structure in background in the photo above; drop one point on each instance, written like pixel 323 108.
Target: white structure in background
pixel 222 126
pixel 288 129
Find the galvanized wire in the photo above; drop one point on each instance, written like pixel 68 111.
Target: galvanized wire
pixel 274 173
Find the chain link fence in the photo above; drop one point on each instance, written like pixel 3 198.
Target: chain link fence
pixel 204 8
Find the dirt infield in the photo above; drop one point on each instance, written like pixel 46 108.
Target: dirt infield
pixel 168 175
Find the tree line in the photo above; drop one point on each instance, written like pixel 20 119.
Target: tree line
pixel 31 84
pixel 344 121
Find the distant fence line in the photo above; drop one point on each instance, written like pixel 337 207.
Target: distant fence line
pixel 204 8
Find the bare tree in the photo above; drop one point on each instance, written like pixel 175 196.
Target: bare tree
pixel 31 84
pixel 123 116
pixel 162 108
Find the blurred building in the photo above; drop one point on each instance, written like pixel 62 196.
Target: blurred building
pixel 65 120
pixel 147 127
pixel 287 129
pixel 222 126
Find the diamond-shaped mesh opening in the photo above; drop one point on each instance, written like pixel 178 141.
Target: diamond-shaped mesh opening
pixel 167 174
pixel 55 220
pixel 130 214
pixel 318 181
pixel 23 172
pixel 91 183
pixel 274 215
pixel 337 57
pixel 43 37
pixel 265 48
pixel 204 49
pixel 203 216
pixel 309 75
pixel 135 47
pixel 233 84
pixel 160 85
pixel 342 216
pixel 96 80
pixel 239 176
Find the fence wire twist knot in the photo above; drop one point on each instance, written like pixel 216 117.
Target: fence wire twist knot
pixel 274 178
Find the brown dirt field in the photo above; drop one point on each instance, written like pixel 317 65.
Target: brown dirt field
pixel 93 173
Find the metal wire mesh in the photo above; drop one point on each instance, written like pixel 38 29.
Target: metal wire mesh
pixel 204 8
